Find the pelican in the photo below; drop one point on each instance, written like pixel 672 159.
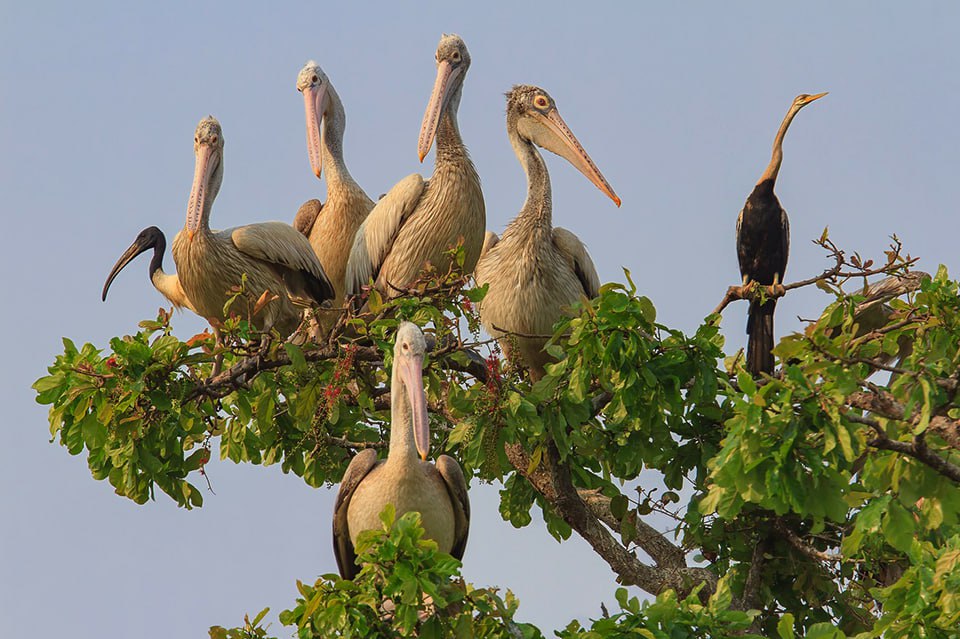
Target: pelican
pixel 417 221
pixel 330 226
pixel 763 245
pixel 278 262
pixel 438 492
pixel 535 272
pixel 168 285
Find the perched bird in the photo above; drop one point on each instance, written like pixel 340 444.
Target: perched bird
pixel 438 492
pixel 168 285
pixel 417 221
pixel 535 272
pixel 763 244
pixel 269 260
pixel 332 225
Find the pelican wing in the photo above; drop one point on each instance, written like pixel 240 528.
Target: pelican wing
pixel 280 245
pixel 375 236
pixel 490 240
pixel 306 216
pixel 456 484
pixel 360 466
pixel 576 254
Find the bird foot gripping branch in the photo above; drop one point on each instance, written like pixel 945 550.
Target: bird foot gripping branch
pixel 831 279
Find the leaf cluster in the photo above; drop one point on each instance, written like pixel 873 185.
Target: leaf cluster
pixel 406 588
pixel 821 501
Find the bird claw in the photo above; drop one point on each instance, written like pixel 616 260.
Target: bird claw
pixel 746 291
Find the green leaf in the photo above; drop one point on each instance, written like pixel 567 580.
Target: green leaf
pixel 723 597
pixel 947 565
pixel 94 433
pixel 746 383
pixel 260 616
pixel 846 446
pixel 295 354
pixel 898 527
pixel 824 630
pixel 618 506
pixel 785 626
pixel 925 408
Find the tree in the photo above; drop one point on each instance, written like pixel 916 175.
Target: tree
pixel 820 502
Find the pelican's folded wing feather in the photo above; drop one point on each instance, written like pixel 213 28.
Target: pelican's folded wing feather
pixel 360 466
pixel 375 236
pixel 457 488
pixel 280 245
pixel 576 253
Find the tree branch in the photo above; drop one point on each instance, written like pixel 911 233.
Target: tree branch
pixel 650 540
pixel 919 450
pixel 240 373
pixel 884 404
pixel 797 542
pixel 750 599
pixel 753 292
pixel 551 478
pixel 948 429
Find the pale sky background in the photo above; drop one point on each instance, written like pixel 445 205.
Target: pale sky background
pixel 98 104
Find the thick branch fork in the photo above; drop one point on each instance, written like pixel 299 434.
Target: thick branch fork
pixel 551 478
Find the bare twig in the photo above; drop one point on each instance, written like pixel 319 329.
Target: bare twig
pixel 518 334
pixel 834 274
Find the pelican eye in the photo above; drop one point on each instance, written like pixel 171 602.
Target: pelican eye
pixel 456 56
pixel 316 79
pixel 541 102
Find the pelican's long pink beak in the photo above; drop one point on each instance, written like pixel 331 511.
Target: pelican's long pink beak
pixel 202 175
pixel 564 143
pixel 446 74
pixel 411 372
pixel 313 98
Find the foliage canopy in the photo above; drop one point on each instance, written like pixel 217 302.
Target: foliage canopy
pixel 820 502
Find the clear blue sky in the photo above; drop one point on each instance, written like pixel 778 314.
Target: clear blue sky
pixel 98 104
